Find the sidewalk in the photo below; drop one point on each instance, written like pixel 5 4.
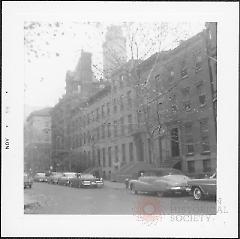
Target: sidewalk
pixel 114 185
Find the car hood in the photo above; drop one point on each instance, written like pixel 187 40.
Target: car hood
pixel 200 181
pixel 176 179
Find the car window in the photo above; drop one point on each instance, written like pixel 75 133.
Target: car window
pixel 214 175
pixel 163 172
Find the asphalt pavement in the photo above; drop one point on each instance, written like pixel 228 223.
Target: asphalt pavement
pixel 112 199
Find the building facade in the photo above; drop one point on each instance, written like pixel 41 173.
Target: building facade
pixel 161 111
pixel 37 141
pixel 176 113
pixel 102 131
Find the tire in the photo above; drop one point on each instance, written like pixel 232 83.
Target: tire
pixel 133 190
pixel 197 194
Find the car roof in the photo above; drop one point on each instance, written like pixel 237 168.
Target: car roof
pixel 160 170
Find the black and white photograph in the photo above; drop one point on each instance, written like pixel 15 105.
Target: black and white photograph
pixel 120 116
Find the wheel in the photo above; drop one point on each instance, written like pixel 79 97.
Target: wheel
pixel 197 193
pixel 133 190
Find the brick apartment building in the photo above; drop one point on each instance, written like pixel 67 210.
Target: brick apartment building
pixel 177 114
pixel 101 127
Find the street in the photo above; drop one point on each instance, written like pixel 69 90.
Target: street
pixel 112 199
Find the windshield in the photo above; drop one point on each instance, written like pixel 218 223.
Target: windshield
pixel 164 172
pixel 70 174
pixel 40 174
pixel 87 176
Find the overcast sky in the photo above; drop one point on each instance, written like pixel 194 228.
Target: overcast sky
pixel 53 48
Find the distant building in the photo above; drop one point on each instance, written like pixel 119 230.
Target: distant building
pixel 37 140
pixel 79 87
pixel 114 50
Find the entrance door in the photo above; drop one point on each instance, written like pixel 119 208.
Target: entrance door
pixel 175 142
pixel 160 150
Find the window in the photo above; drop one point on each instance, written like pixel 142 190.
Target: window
pixel 171 74
pixel 184 72
pixel 206 165
pixel 114 86
pixel 189 139
pixel 175 142
pixel 122 125
pixel 115 105
pixel 109 129
pixel 187 106
pixel 198 63
pixel 157 81
pixel 121 78
pixel 103 111
pixel 204 136
pixel 129 99
pixel 201 94
pixel 98 156
pixel 186 91
pixel 108 108
pixel 139 117
pixel 88 137
pixel 103 131
pixel 88 159
pixel 93 157
pixel 173 103
pixel 191 166
pixel 123 153
pixel 104 157
pixel 116 153
pixel 129 123
pixel 109 156
pixel 115 128
pixel 88 118
pixel 205 144
pixel 97 114
pixel 121 102
pixel 204 126
pixel 98 133
pixel 131 152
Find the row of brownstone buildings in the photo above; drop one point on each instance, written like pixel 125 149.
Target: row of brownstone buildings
pixel 161 111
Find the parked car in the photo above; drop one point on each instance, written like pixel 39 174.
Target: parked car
pixel 202 188
pixel 160 181
pixel 53 178
pixel 65 178
pixel 40 177
pixel 86 180
pixel 135 175
pixel 28 181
